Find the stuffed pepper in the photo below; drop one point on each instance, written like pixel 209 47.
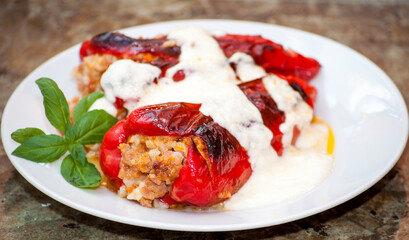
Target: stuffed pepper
pixel 174 150
pixel 204 118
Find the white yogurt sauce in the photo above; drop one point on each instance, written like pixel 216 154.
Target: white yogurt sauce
pixel 211 81
pixel 297 112
pixel 104 104
pixel 245 68
pixel 128 80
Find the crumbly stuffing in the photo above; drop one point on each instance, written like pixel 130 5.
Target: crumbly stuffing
pixel 88 73
pixel 150 165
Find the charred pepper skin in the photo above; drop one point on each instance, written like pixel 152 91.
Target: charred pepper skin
pixel 122 46
pixel 152 51
pixel 210 175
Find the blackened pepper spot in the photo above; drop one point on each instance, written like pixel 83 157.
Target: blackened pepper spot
pixel 294 85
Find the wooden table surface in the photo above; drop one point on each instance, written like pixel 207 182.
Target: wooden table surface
pixel 32 31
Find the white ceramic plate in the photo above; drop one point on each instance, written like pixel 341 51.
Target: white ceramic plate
pixel 360 102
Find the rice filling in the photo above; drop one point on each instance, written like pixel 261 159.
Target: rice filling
pixel 150 165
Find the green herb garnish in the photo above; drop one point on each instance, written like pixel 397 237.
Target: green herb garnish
pixel 89 128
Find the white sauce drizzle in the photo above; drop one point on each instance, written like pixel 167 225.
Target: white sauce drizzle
pixel 104 104
pixel 297 112
pixel 127 79
pixel 210 80
pixel 246 69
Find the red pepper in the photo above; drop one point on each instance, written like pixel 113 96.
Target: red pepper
pixel 209 176
pixel 119 45
pixel 271 115
pixel 269 55
pixel 307 92
pixel 222 168
pixel 140 50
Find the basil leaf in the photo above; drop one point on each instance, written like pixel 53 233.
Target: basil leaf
pixel 86 176
pixel 55 104
pixel 78 153
pixel 23 134
pixel 84 104
pixel 42 148
pixel 69 134
pixel 92 126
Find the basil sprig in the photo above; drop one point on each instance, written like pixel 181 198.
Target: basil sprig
pixel 89 128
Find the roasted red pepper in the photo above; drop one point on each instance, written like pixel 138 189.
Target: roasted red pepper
pixel 121 46
pixel 150 51
pixel 269 55
pixel 210 174
pixel 307 92
pixel 213 174
pixel 272 116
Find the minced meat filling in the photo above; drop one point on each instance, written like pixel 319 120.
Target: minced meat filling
pixel 89 72
pixel 150 165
